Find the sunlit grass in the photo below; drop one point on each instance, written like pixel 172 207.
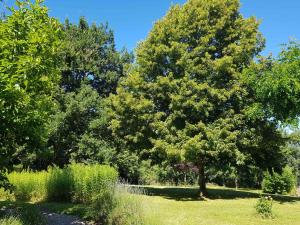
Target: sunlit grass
pixel 181 206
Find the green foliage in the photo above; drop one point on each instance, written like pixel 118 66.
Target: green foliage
pixel 128 166
pixel 78 129
pixel 148 174
pixel 28 185
pixel 89 181
pixel 264 206
pixel 59 184
pixel 293 152
pixel 129 208
pixel 22 214
pixel 279 183
pixel 30 215
pixel 89 56
pixel 10 221
pixel 29 41
pixel 276 83
pixel 4 182
pixel 93 185
pixel 186 99
pixel 77 183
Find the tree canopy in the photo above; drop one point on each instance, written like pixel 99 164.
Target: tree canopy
pixel 198 101
pixel 29 47
pixel 89 55
pixel 186 98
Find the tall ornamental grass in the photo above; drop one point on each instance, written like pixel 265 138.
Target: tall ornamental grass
pixel 28 185
pixel 91 181
pixel 77 183
pixel 93 185
pixel 59 184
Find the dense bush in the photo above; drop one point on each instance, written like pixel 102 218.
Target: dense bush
pixel 264 207
pixel 279 183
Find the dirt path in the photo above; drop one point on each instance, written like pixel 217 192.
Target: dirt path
pixel 59 219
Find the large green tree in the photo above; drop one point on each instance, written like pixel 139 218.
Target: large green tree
pixel 78 130
pixel 29 43
pixel 90 71
pixel 89 55
pixel 185 99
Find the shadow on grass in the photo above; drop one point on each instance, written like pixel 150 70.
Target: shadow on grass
pixel 79 210
pixel 192 194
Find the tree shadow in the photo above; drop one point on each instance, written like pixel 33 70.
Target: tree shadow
pixel 81 210
pixel 192 194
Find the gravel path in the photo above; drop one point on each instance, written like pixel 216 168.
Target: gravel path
pixel 59 219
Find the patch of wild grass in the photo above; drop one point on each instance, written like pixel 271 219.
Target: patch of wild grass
pixel 59 184
pixel 76 183
pixel 28 185
pixel 129 208
pixel 92 185
pixel 10 221
pixel 90 181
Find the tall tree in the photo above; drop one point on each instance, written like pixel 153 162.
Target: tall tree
pixel 29 43
pixel 90 56
pixel 78 129
pixel 186 99
pixel 91 70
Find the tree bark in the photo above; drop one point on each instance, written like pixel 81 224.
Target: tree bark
pixel 202 180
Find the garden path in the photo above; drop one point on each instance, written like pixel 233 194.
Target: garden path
pixel 60 219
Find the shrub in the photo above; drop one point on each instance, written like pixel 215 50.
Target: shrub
pixel 102 205
pixel 279 183
pixel 148 174
pixel 264 207
pixel 6 195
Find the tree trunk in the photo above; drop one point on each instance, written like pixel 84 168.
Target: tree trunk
pixel 202 181
pixel 236 181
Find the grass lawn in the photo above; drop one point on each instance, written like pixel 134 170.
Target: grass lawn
pixel 180 206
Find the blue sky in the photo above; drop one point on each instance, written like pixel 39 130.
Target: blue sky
pixel 131 20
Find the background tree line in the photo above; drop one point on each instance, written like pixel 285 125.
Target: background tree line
pixel 198 101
